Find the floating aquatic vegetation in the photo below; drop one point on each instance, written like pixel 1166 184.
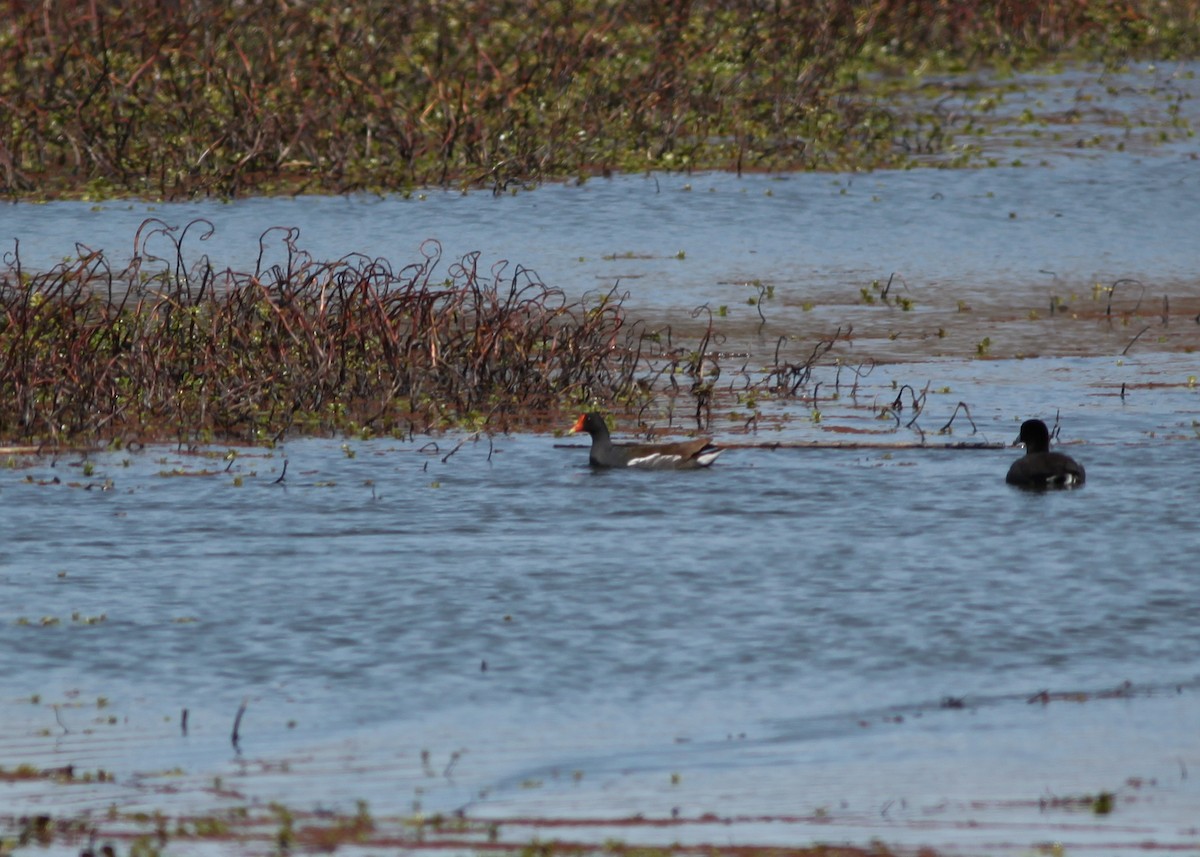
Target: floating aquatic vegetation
pixel 183 100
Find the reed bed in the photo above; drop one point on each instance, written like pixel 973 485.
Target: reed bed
pixel 167 349
pixel 176 100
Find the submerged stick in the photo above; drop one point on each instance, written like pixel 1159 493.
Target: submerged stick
pixel 1136 337
pixel 457 447
pixel 237 722
pixel 963 407
pixel 1113 288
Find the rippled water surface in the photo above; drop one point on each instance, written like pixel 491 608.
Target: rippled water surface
pixel 774 635
pixel 797 645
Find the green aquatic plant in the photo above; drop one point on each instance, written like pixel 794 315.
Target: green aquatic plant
pixel 285 835
pixel 466 93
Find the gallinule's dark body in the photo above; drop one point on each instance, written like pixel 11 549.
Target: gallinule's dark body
pixel 683 455
pixel 1039 467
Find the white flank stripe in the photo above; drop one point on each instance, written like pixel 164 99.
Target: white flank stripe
pixel 654 459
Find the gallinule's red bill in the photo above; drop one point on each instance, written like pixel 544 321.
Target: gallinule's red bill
pixel 1039 467
pixel 683 455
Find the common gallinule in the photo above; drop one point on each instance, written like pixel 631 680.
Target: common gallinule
pixel 682 455
pixel 1039 467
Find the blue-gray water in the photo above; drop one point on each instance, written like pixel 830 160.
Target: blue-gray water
pixel 752 630
pixel 773 636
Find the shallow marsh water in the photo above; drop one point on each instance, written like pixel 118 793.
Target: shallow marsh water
pixel 756 654
pixel 771 640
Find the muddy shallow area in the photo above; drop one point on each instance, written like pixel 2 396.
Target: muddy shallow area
pixel 485 643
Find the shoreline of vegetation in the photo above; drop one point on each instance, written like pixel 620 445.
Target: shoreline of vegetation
pixel 170 350
pixel 245 827
pixel 178 101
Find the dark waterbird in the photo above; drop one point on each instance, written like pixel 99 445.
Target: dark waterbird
pixel 1039 467
pixel 682 455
